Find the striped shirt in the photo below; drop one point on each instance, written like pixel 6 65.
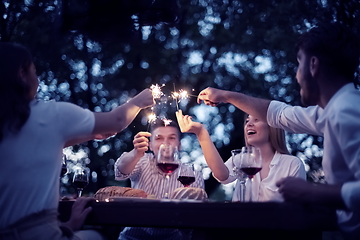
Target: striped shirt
pixel 146 176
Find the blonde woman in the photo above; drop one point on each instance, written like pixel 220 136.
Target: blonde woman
pixel 276 160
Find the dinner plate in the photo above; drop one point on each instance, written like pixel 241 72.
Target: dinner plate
pixel 132 199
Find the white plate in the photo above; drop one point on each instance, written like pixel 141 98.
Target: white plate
pixel 132 199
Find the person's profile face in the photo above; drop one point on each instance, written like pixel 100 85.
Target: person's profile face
pixel 160 135
pixel 309 89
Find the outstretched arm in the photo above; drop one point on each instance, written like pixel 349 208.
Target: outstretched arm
pixel 256 107
pixel 212 156
pixel 110 123
pixel 119 118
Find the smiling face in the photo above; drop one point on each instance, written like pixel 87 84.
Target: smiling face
pixel 160 135
pixel 256 132
pixel 309 89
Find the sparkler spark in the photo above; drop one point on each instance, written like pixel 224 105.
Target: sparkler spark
pixel 156 91
pixel 151 117
pixel 166 121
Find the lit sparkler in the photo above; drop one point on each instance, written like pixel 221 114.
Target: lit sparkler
pixel 166 121
pixel 156 91
pixel 151 117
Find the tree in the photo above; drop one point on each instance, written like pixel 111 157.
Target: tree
pixel 88 55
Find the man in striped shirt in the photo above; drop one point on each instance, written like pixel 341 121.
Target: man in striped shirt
pixel 140 167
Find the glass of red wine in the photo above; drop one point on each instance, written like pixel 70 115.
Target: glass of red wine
pixel 251 163
pixel 167 161
pixel 240 175
pixel 186 174
pixel 81 179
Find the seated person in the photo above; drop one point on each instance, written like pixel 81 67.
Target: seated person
pixel 29 202
pixel 141 168
pixel 276 160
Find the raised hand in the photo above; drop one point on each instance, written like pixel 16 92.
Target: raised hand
pixel 186 124
pixel 144 99
pixel 211 96
pixel 141 143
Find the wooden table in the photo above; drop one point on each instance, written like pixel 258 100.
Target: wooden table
pixel 215 220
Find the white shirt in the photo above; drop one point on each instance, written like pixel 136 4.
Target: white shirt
pixel 282 165
pixel 339 124
pixel 31 159
pixel 148 177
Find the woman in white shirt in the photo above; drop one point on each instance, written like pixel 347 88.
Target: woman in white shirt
pixel 276 160
pixel 33 134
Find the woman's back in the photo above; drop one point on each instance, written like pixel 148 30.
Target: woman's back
pixel 29 177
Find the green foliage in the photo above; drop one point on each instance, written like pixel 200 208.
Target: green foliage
pixel 219 43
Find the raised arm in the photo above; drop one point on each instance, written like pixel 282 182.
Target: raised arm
pixel 127 162
pixel 119 118
pixel 256 107
pixel 212 156
pixel 110 123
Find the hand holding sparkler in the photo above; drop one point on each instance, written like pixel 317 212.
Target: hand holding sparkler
pixel 141 143
pixel 212 96
pixel 144 99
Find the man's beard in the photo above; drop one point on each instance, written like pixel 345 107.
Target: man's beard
pixel 310 92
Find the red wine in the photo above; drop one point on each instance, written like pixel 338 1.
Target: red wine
pixel 167 167
pixel 186 181
pixel 250 171
pixel 80 184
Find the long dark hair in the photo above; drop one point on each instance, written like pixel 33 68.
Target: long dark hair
pixel 14 92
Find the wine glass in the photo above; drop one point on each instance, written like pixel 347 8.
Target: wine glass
pixel 81 179
pixel 241 176
pixel 251 163
pixel 167 161
pixel 186 174
pixel 63 166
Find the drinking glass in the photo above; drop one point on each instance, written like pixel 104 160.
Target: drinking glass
pixel 251 163
pixel 186 174
pixel 240 175
pixel 167 161
pixel 81 179
pixel 63 166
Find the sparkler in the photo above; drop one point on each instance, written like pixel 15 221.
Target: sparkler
pixel 162 99
pixel 182 94
pixel 156 90
pixel 151 118
pixel 166 121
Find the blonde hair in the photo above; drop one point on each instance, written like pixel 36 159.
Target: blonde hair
pixel 276 139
